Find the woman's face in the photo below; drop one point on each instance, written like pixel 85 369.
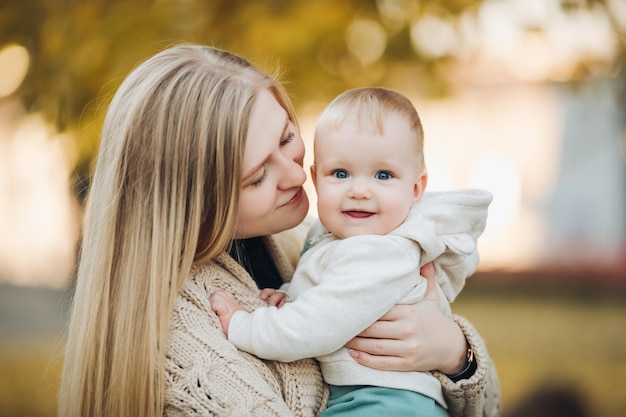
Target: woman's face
pixel 272 198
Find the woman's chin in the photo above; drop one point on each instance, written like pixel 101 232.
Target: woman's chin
pixel 296 214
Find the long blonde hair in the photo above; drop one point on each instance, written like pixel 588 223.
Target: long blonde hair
pixel 164 195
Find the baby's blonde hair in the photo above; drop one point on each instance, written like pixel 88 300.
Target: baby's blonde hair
pixel 366 107
pixel 164 195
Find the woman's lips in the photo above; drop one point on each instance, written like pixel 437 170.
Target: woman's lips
pixel 296 198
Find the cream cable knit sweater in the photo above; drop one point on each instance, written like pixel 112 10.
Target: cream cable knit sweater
pixel 208 376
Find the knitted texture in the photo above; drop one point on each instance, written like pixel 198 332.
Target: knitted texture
pixel 208 376
pixel 478 396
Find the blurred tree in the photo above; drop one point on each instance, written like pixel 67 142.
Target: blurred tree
pixel 80 51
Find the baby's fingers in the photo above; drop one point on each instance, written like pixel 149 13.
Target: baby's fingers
pixel 277 299
pixel 224 305
pixel 266 293
pixel 221 301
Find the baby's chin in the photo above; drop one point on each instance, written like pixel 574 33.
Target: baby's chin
pixel 358 231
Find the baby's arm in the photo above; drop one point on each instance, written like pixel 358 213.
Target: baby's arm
pixel 350 294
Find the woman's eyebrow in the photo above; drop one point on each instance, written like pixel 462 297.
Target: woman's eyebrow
pixel 285 128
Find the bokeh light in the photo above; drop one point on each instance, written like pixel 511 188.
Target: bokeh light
pixel 14 61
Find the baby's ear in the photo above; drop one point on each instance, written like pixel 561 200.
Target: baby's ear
pixel 419 187
pixel 313 173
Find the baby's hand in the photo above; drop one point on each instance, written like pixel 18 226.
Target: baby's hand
pixel 273 297
pixel 224 305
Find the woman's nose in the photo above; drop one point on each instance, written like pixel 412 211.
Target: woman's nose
pixel 292 173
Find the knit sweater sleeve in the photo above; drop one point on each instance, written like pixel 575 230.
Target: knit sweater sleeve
pixel 478 396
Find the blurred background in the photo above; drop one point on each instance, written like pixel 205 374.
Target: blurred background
pixel 526 98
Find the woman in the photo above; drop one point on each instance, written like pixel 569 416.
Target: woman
pixel 198 187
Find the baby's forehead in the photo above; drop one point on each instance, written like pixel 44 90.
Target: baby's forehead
pixel 354 138
pixel 364 122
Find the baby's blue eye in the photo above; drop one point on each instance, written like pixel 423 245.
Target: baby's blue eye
pixel 383 175
pixel 341 174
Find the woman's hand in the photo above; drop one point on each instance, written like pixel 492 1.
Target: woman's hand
pixel 417 337
pixel 224 305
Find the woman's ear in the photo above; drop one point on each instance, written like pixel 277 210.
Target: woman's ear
pixel 419 187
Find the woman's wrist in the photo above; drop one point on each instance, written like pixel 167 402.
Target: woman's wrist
pixel 456 346
pixel 468 369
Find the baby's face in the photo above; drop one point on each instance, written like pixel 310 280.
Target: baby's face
pixel 367 182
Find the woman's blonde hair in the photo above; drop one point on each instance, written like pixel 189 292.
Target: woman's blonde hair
pixel 164 195
pixel 367 107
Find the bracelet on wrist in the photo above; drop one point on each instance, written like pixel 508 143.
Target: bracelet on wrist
pixel 469 368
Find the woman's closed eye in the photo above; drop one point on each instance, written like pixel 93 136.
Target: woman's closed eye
pixel 260 180
pixel 288 139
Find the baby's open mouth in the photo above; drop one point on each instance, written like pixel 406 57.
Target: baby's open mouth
pixel 358 214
